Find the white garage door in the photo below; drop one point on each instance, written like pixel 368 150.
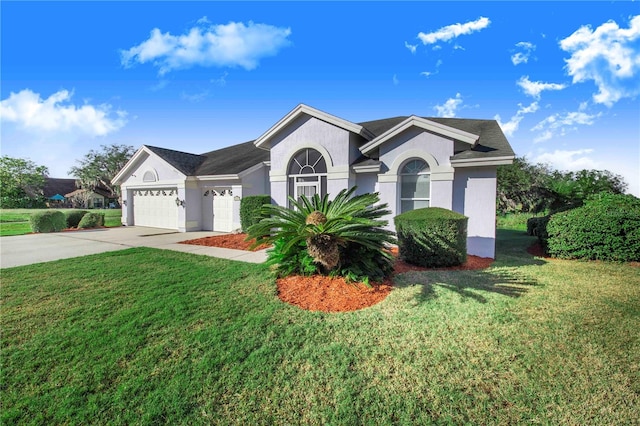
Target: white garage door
pixel 217 210
pixel 223 211
pixel 155 208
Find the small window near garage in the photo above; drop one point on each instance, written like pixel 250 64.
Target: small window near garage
pixel 415 185
pixel 149 177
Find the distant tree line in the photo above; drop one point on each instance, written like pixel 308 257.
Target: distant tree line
pixel 524 187
pixel 22 181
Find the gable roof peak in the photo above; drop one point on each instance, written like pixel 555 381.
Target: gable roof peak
pixel 303 109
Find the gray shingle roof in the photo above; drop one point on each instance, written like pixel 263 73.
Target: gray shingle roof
pixel 237 158
pixel 492 142
pixel 232 159
pixel 183 161
pixel 62 186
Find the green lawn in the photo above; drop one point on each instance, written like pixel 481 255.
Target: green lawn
pixel 16 221
pixel 147 336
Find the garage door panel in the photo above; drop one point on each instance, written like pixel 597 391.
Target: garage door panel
pixel 155 208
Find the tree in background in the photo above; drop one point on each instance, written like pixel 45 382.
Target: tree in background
pixel 97 168
pixel 531 188
pixel 523 187
pixel 571 189
pixel 21 183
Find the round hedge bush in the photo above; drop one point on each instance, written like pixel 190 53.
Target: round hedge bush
pixel 432 237
pixel 47 221
pixel 74 217
pixel 91 220
pixel 604 228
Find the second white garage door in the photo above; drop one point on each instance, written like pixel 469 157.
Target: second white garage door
pixel 217 210
pixel 155 208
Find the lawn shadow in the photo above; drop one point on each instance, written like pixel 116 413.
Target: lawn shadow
pixel 469 284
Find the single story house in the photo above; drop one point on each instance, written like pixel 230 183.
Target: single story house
pixel 412 162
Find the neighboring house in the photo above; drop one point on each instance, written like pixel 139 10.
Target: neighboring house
pixel 412 162
pixel 99 198
pixel 54 188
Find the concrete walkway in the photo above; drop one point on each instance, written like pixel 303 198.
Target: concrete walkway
pixel 36 248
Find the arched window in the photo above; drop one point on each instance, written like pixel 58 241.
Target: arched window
pixel 415 185
pixel 307 174
pixel 149 176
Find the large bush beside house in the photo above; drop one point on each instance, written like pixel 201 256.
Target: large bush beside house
pixel 344 236
pixel 432 237
pixel 250 207
pixel 607 227
pixel 47 221
pixel 91 220
pixel 74 217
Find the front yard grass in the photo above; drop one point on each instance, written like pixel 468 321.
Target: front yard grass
pixel 148 336
pixel 16 221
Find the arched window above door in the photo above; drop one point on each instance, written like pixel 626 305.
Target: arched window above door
pixel 307 174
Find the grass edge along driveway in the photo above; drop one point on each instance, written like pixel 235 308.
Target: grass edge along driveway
pixel 149 336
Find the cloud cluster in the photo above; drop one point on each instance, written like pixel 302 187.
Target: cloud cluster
pixel 448 109
pixel 55 114
pixel 523 57
pixel 235 44
pixel 534 88
pixel 450 32
pixel 561 124
pixel 511 126
pixel 568 160
pixel 608 55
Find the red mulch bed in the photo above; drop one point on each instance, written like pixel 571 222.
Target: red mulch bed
pixel 232 241
pixel 321 293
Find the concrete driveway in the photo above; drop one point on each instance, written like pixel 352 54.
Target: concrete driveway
pixel 36 248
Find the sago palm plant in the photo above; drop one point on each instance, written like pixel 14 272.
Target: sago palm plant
pixel 343 236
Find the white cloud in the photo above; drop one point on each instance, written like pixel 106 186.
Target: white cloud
pixel 230 45
pixel 412 47
pixel 568 160
pixel 608 55
pixel 448 109
pixel 523 57
pixel 452 31
pixel 55 114
pixel 511 126
pixel 221 81
pixel 561 124
pixel 534 88
pixel 430 73
pixel 395 80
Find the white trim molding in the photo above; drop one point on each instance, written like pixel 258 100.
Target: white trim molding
pixel 483 162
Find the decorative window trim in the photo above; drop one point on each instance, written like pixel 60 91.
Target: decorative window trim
pixel 150 175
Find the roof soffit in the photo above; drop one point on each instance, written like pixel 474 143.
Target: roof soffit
pixel 302 109
pixel 424 124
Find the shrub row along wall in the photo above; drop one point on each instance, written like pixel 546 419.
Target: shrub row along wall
pixel 250 210
pixel 56 221
pixel 432 237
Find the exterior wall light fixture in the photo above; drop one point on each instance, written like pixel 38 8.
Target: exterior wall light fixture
pixel 179 202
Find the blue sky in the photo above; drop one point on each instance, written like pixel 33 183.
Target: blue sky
pixel 563 79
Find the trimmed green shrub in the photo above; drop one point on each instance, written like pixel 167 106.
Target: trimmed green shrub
pixel 91 220
pixel 47 221
pixel 74 217
pixel 432 237
pixel 250 207
pixel 607 228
